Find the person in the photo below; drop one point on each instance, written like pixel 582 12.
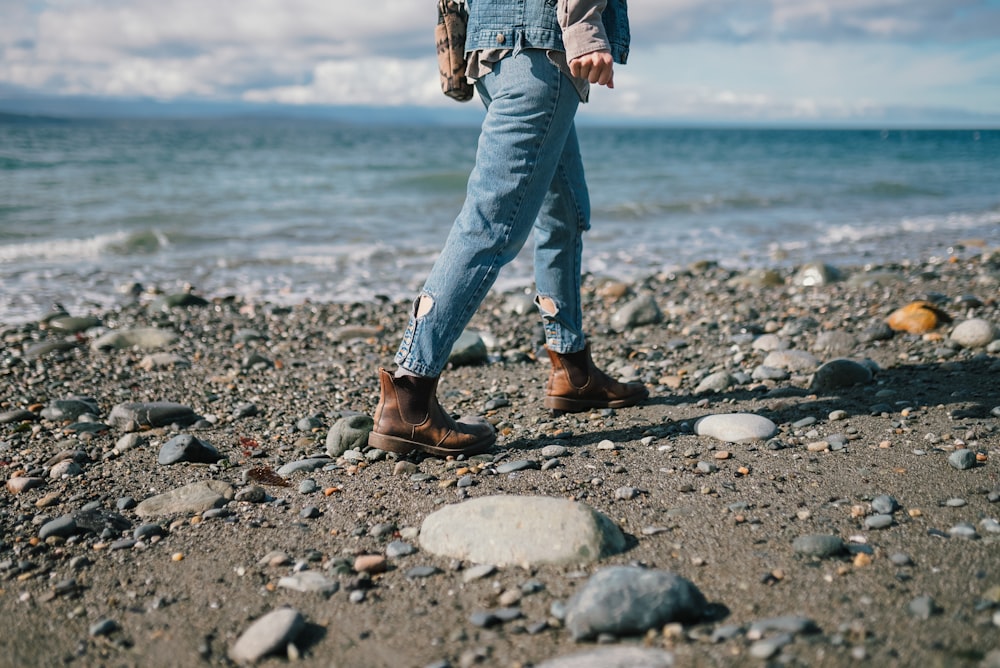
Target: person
pixel 532 63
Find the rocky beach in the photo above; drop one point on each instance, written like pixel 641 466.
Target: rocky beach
pixel 813 482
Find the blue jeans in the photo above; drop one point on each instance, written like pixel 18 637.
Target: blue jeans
pixel 528 176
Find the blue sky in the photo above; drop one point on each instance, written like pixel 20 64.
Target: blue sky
pixel 933 62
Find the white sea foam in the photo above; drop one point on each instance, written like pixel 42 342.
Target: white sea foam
pixel 55 249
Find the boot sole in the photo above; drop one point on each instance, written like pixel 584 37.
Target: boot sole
pixel 579 405
pixel 402 446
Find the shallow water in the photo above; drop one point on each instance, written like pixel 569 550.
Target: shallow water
pixel 291 210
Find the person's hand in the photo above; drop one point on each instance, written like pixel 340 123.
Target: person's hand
pixel 597 67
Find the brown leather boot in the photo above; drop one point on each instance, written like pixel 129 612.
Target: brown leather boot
pixel 575 385
pixel 408 418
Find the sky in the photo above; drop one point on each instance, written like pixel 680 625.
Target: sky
pixel 932 62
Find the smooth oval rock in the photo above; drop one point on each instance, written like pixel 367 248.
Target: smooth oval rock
pixel 196 497
pixel 792 360
pixel 840 373
pixel 627 600
pixel 520 530
pixel 819 545
pixel 348 433
pixel 643 310
pixel 736 427
pixel 974 333
pixel 143 338
pixel 152 414
pixel 613 657
pixel 269 634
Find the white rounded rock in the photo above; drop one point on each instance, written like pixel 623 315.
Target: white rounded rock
pixel 975 333
pixel 736 427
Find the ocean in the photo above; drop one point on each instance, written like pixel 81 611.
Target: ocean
pixel 291 210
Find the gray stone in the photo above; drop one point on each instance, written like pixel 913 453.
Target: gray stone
pixel 69 324
pixel 836 342
pixel 309 581
pixel 885 504
pixel 301 465
pixel 152 414
pixel 520 530
pixel 878 521
pixel 70 409
pixel 819 545
pixel 468 350
pixel 769 343
pixel 769 373
pixel 143 338
pixel 626 600
pixel 736 427
pixel 613 657
pixel 974 333
pixel 768 647
pixel 816 274
pixel 792 624
pixel 642 310
pixel 517 465
pixel 398 548
pixel 129 441
pixel 550 451
pixel 269 634
pixel 793 360
pixel 720 381
pixel 187 448
pixel 963 530
pixel 923 607
pixel 193 498
pixel 840 373
pixel 963 459
pixel 158 361
pixel 63 527
pixel 348 433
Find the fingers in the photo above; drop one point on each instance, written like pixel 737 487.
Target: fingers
pixel 596 67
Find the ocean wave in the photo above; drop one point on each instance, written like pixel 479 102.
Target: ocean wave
pixel 924 225
pixel 117 243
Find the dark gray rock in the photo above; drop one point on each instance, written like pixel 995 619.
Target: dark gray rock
pixel 348 433
pixel 187 448
pixel 819 545
pixel 840 373
pixel 626 600
pixel 152 414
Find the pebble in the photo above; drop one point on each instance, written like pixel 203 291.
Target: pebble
pixel 23 484
pixel 963 530
pixel 193 498
pixel 878 521
pixel 792 360
pixel 627 600
pixel 63 527
pixel 736 427
pixel 398 548
pixel 974 333
pixel 102 627
pixel 420 572
pixel 517 465
pixel 309 581
pixel 963 459
pixel 348 433
pixel 768 647
pixel 613 657
pixel 917 317
pixel 510 529
pixel 923 607
pixel 478 572
pixel 370 563
pixel 269 634
pixel 152 414
pixel 187 448
pixel 839 374
pixel 642 310
pixel 552 451
pixel 720 381
pixel 885 504
pixel 819 545
pixel 302 465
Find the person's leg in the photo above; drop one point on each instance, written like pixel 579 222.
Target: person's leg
pixel 530 110
pixel 575 383
pixel 564 217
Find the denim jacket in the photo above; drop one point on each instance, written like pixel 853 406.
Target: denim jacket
pixel 575 27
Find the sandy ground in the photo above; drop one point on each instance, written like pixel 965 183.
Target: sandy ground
pixel 184 599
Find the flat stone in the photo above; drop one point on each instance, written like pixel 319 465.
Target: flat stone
pixel 793 360
pixel 152 414
pixel 193 498
pixel 63 527
pixel 819 545
pixel 309 581
pixel 269 634
pixel 158 361
pixel 468 350
pixel 736 427
pixel 70 409
pixel 792 624
pixel 840 373
pixel 23 484
pixel 143 338
pixel 517 465
pixel 878 521
pixel 187 448
pixel 613 657
pixel 297 466
pixel 627 600
pixel 520 530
